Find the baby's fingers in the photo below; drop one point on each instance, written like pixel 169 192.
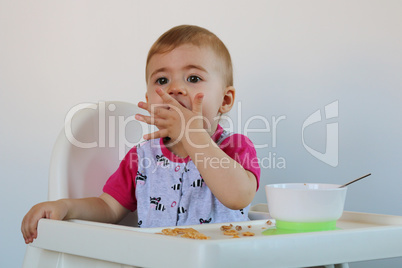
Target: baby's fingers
pixel 151 107
pixel 29 228
pixel 148 119
pixel 156 135
pixel 26 233
pixel 158 117
pixel 197 104
pixel 143 105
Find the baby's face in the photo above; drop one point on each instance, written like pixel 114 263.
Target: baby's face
pixel 184 72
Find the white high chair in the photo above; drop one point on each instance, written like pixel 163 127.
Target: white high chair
pixel 87 151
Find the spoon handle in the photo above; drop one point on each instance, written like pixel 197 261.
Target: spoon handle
pixel 362 177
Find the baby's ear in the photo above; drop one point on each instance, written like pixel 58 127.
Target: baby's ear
pixel 228 100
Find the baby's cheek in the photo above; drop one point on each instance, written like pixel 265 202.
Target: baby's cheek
pixel 155 100
pixel 153 97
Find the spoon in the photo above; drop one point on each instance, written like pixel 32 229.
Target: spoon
pixel 362 177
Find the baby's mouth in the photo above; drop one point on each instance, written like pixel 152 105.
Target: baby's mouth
pixel 182 104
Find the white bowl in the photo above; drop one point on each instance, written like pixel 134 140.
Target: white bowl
pixel 305 202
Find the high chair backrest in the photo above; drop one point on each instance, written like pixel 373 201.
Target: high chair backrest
pixel 90 147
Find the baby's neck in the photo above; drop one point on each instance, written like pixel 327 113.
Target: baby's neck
pixel 176 148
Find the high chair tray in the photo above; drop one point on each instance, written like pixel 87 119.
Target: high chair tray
pixel 358 237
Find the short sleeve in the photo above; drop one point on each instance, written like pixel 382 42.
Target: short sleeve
pixel 241 149
pixel 121 184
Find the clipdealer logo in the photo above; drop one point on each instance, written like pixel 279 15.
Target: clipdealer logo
pixel 113 127
pixel 330 156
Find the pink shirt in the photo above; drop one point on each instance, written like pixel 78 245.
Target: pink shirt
pixel 163 187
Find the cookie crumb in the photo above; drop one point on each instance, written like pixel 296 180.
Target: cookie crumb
pixel 230 232
pixel 226 227
pixel 248 234
pixel 184 232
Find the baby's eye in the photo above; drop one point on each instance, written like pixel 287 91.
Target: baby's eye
pixel 162 81
pixel 194 79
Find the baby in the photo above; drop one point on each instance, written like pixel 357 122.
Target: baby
pixel 189 171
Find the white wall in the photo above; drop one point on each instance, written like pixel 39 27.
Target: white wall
pixel 291 58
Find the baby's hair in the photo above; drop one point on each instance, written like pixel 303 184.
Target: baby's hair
pixel 195 35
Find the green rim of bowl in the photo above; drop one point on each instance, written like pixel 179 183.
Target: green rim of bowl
pixel 306 226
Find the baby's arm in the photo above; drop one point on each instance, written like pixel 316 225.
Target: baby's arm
pixel 234 186
pixel 102 209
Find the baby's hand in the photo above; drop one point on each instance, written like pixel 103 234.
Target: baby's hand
pixel 172 119
pixel 56 210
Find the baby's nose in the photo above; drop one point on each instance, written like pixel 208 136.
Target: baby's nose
pixel 177 89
